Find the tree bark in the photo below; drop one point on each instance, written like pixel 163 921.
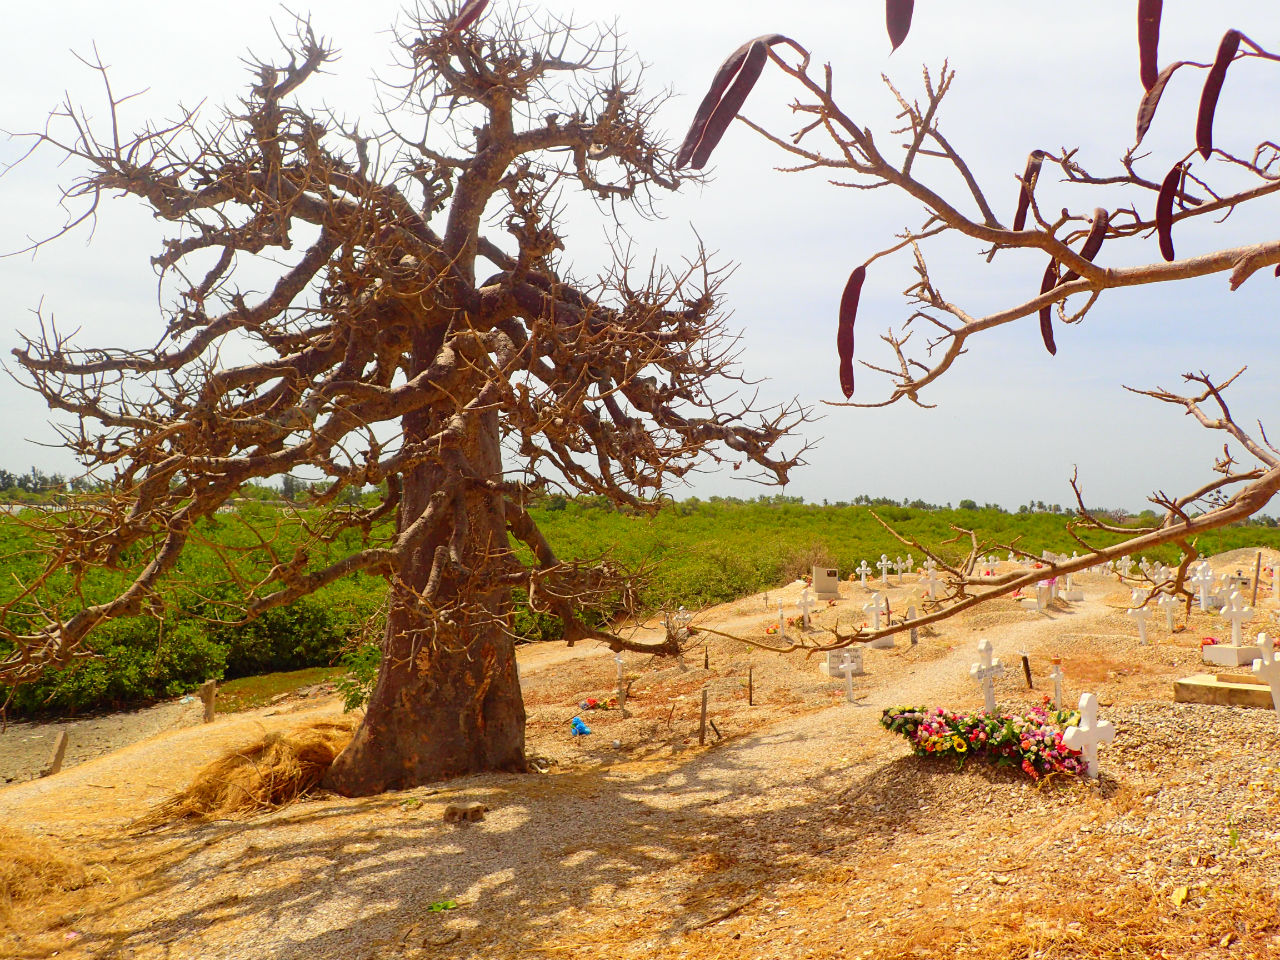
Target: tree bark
pixel 447 701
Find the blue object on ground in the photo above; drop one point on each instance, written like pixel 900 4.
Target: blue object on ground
pixel 579 728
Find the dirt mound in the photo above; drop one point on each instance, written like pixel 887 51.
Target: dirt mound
pixel 31 869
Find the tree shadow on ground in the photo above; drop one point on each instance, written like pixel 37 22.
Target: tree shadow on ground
pixel 641 852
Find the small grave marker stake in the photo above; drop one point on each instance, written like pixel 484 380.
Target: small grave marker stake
pixel 1057 676
pixel 59 752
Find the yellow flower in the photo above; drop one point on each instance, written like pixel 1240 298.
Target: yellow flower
pixel 960 745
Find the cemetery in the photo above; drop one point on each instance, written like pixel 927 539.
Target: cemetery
pixel 381 618
pixel 736 796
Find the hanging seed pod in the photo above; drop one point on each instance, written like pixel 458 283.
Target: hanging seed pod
pixel 468 15
pixel 1029 177
pixel 1164 210
pixel 1046 312
pixel 1092 241
pixel 844 335
pixel 1151 99
pixel 897 18
pixel 1148 39
pixel 711 103
pixel 1212 87
pixel 729 105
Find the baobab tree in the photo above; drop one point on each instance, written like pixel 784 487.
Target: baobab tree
pixel 423 333
pixel 923 165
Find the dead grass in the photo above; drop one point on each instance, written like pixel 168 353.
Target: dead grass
pixel 32 870
pixel 274 771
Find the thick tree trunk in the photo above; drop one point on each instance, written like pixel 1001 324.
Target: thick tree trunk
pixel 447 701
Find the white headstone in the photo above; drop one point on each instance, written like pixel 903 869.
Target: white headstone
pixel 984 672
pixel 884 566
pixel 1267 668
pixel 1238 614
pixel 837 658
pixel 876 607
pixel 862 572
pixel 1090 732
pixel 826 583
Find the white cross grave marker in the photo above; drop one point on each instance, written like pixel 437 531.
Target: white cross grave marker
pixel 1268 668
pixel 862 572
pixel 851 666
pixel 782 621
pixel 1089 733
pixel 1238 614
pixel 899 567
pixel 876 607
pixel 985 672
pixel 884 567
pixel 804 605
pixel 1202 580
pixel 1124 566
pixel 1169 604
pixel 1057 676
pixel 931 583
pixel 1138 614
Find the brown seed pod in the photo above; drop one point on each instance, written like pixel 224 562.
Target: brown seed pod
pixel 1212 87
pixel 1151 99
pixel 1164 210
pixel 468 15
pixel 1029 177
pixel 897 18
pixel 711 103
pixel 1148 39
pixel 730 104
pixel 1046 312
pixel 1092 241
pixel 844 335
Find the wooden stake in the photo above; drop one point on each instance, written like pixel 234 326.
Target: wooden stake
pixel 208 691
pixel 1026 669
pixel 706 656
pixel 1257 572
pixel 702 727
pixel 59 751
pixel 750 688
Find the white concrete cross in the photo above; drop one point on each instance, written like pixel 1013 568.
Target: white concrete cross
pixel 805 605
pixel 911 563
pixel 876 607
pixel 851 666
pixel 899 567
pixel 1124 565
pixel 1145 566
pixel 862 572
pixel 617 658
pixel 985 672
pixel 782 620
pixel 1268 668
pixel 1169 604
pixel 931 583
pixel 1011 558
pixel 1138 614
pixel 1090 732
pixel 930 565
pixel 1202 580
pixel 1057 676
pixel 1238 614
pixel 1159 573
pixel 884 566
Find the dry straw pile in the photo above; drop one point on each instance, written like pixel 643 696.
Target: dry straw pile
pixel 270 773
pixel 32 870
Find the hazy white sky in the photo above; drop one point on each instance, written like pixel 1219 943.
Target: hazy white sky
pixel 1011 420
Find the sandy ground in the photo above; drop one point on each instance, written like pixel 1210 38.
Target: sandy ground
pixel 804 831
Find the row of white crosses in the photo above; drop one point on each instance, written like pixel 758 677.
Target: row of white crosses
pixel 1085 735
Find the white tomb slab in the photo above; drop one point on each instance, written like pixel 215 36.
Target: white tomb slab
pixel 985 672
pixel 826 583
pixel 1072 592
pixel 834 667
pixel 1090 732
pixel 1236 653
